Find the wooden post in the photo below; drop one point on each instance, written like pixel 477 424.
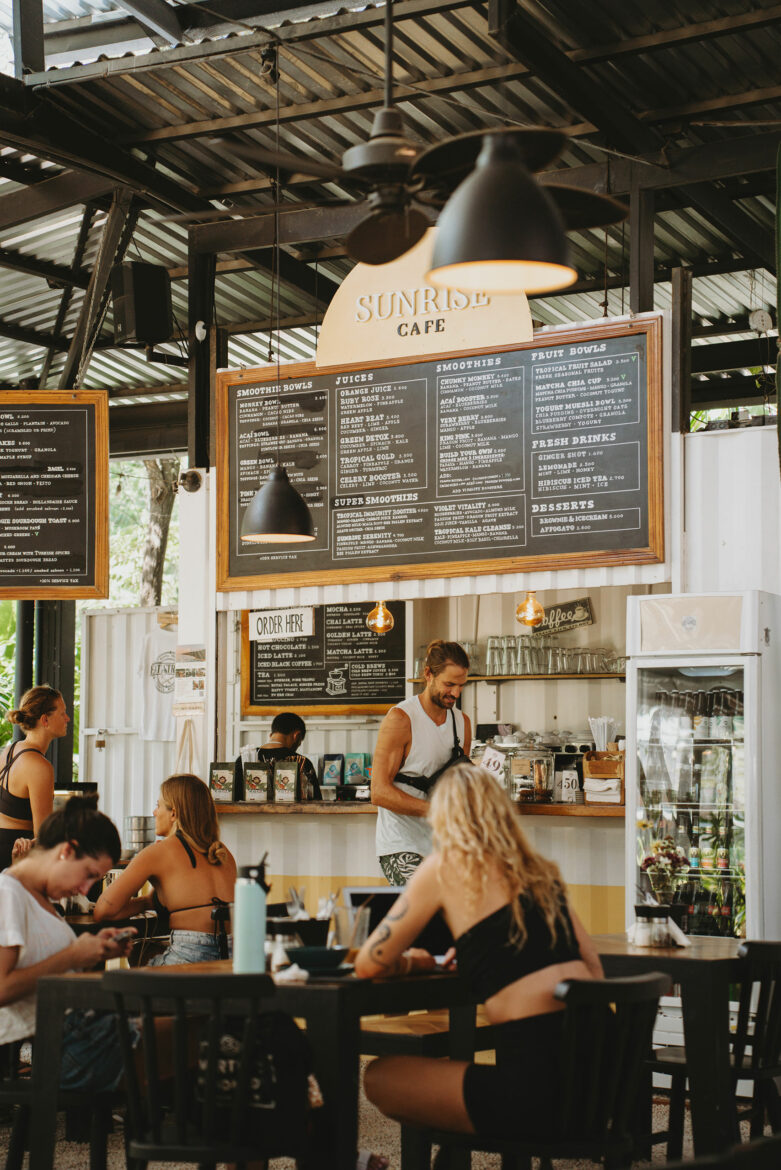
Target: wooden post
pixel 202 269
pixel 682 349
pixel 641 251
pixel 29 56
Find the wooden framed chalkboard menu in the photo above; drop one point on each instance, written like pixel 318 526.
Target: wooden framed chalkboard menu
pixel 542 456
pixel 341 669
pixel 53 494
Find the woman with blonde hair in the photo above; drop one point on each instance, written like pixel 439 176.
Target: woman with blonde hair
pixel 516 938
pixel 26 776
pixel 192 874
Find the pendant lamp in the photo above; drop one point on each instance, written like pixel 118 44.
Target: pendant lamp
pixel 530 612
pixel 380 620
pixel 277 514
pixel 500 231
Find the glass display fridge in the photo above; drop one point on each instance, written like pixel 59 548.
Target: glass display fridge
pixel 703 763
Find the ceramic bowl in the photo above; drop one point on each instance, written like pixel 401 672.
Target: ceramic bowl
pixel 317 958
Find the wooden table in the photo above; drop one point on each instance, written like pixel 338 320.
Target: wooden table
pixel 331 1007
pixel 704 971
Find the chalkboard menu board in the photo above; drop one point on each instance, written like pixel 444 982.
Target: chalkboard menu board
pixel 53 494
pixel 548 455
pixel 342 668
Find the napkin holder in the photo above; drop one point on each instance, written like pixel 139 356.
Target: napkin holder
pixel 609 765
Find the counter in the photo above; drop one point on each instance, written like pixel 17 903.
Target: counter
pixel 324 846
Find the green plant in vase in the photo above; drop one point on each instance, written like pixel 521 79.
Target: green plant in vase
pixel 665 864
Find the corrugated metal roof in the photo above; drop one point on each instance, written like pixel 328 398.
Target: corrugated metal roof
pixel 672 65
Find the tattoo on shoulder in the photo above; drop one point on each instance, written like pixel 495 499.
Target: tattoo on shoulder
pixel 399 910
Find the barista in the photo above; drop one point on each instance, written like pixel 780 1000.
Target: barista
pixel 286 736
pixel 418 740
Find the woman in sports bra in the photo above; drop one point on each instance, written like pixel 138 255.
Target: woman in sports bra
pixel 26 776
pixel 516 938
pixel 192 874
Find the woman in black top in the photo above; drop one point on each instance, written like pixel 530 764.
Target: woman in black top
pixel 516 939
pixel 26 776
pixel 191 872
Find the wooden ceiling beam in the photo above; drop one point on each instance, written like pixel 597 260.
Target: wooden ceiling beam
pixel 56 274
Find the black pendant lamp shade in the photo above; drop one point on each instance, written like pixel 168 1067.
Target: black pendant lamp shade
pixel 500 231
pixel 277 513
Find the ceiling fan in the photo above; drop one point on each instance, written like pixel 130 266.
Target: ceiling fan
pixel 392 173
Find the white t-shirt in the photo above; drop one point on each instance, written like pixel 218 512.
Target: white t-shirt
pixel 430 748
pixel 155 672
pixel 24 923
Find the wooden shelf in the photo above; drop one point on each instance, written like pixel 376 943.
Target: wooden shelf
pixel 571 810
pixel 318 807
pixel 500 678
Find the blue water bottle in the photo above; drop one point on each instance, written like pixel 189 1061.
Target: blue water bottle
pixel 249 919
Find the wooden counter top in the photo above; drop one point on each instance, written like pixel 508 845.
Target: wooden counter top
pixel 340 807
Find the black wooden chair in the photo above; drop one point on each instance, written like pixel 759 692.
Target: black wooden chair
pixel 205 1094
pixel 755 1050
pixel 16 1092
pixel 761 1154
pixel 596 1097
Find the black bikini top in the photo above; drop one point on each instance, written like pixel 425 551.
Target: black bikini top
pixel 489 961
pixel 220 908
pixel 18 807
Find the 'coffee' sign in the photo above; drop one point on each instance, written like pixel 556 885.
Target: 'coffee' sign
pixel 269 625
pixel 567 615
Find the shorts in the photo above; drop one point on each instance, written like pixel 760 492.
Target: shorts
pixel 518 1096
pixel 189 946
pixel 91 1055
pixel 398 868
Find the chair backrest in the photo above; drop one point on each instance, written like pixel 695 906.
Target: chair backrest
pixel 760 1005
pixel 762 1154
pixel 226 1096
pixel 608 1024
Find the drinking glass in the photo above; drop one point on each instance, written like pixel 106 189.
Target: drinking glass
pixel 493 656
pixel 509 657
pixel 351 925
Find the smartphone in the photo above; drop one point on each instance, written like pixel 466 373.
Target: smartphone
pixel 125 934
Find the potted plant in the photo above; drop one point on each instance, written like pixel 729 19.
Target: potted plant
pixel 664 864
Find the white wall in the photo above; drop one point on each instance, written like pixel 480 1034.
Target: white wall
pixel 732 511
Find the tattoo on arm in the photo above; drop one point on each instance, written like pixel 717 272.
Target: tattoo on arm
pixel 380 937
pixel 401 908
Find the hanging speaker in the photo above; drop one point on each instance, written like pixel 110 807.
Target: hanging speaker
pixel 142 303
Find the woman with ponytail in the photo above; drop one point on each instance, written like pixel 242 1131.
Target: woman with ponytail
pixel 191 871
pixel 26 776
pixel 76 846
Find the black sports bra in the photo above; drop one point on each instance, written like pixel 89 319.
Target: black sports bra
pixel 220 908
pixel 489 961
pixel 18 807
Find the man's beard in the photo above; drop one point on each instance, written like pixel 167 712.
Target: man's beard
pixel 440 701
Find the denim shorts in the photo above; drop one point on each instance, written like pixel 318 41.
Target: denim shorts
pixel 189 946
pixel 91 1056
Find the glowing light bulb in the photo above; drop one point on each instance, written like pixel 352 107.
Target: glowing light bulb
pixel 530 612
pixel 380 620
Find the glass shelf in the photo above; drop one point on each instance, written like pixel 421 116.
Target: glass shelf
pixel 500 678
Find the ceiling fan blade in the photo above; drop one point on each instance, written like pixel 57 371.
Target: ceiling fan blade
pixel 386 235
pixel 442 167
pixel 581 209
pixel 288 164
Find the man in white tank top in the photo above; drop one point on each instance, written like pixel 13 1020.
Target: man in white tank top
pixel 418 738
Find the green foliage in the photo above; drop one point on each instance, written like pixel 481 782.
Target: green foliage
pixel 7 672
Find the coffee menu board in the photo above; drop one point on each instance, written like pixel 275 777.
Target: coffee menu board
pixel 342 668
pixel 547 455
pixel 53 494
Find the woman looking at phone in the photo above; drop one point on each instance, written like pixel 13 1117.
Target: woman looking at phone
pixel 76 847
pixel 516 938
pixel 26 776
pixel 192 874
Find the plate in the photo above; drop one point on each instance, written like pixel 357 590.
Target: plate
pixel 336 973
